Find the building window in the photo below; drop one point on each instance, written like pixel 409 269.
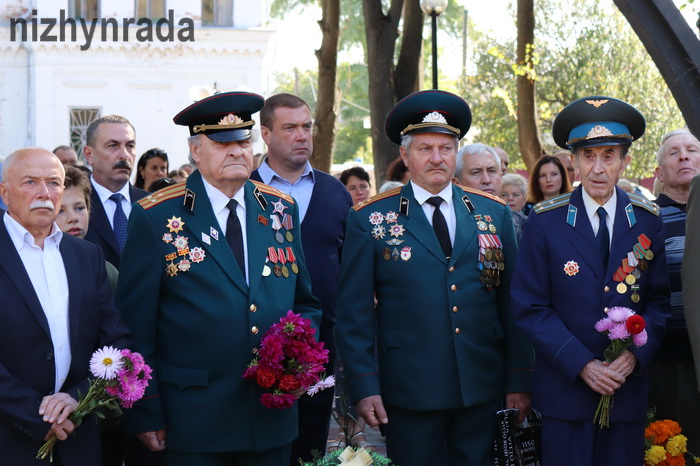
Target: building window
pixel 153 9
pixel 217 12
pixel 80 119
pixel 84 9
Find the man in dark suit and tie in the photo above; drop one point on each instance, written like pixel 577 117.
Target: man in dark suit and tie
pixel 582 254
pixel 439 258
pixel 111 151
pixel 209 265
pixel 56 311
pixel 323 208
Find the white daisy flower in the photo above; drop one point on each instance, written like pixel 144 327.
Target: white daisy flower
pixel 106 362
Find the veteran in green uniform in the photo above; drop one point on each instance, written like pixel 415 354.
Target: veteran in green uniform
pixel 439 258
pixel 207 268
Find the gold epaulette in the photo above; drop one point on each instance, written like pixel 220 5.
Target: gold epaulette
pixel 377 197
pixel 267 189
pixel 644 203
pixel 483 194
pixel 553 203
pixel 169 192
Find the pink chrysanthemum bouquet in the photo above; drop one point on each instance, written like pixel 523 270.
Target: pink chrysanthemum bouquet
pixel 289 359
pixel 121 378
pixel 623 328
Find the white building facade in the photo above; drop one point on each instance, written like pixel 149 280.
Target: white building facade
pixel 56 78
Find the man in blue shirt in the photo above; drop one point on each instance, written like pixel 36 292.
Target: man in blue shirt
pixel 323 207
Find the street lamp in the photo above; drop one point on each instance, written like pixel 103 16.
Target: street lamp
pixel 434 8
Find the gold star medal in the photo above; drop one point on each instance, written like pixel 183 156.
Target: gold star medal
pixel 175 224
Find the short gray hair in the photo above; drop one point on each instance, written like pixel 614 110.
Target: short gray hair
pixel 662 146
pixel 474 149
pixel 515 180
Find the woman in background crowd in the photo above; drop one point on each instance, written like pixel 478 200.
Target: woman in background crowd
pixel 514 191
pixel 356 181
pixel 152 165
pixel 547 180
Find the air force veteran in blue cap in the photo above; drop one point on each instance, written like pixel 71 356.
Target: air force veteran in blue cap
pixel 198 294
pixel 583 254
pixel 449 355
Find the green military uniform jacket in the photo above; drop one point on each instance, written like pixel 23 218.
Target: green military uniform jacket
pixel 445 340
pixel 197 322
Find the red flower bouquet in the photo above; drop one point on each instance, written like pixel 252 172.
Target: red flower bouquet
pixel 289 359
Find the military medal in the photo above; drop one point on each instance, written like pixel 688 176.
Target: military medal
pixel 171 269
pixel 387 254
pixel 395 254
pixel 214 233
pixel 396 230
pixel 283 260
pixel 276 225
pixel 278 206
pixel 197 255
pixel 635 296
pixel 621 288
pixel 266 269
pixel 167 238
pixel 630 279
pixel 175 224
pixel 405 253
pixel 391 217
pixel 378 231
pixel 492 227
pixel 480 224
pixel 648 255
pixel 184 265
pixel 394 242
pixel 288 223
pixel 292 260
pixel 571 268
pixel 376 218
pixel 171 257
pixel 272 256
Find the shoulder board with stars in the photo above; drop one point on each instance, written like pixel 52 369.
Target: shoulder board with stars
pixel 267 189
pixel 482 194
pixel 553 203
pixel 644 203
pixel 170 192
pixel 378 197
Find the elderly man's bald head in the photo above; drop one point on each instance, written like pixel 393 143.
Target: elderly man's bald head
pixel 32 185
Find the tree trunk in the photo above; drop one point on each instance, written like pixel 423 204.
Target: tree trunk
pixel 381 31
pixel 528 131
pixel 326 104
pixel 407 71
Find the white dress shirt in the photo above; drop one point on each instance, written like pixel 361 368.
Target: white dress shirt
pixel 48 276
pixel 219 204
pixel 109 204
pixel 447 207
pixel 592 212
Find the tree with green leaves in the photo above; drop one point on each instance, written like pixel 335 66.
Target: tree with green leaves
pixel 594 53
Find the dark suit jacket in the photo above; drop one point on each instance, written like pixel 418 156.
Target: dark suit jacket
pixel 558 310
pixel 27 371
pixel 691 271
pixel 199 327
pixel 444 340
pixel 100 230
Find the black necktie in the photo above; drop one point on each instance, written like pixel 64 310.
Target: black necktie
pixel 119 220
pixel 603 237
pixel 234 235
pixel 440 226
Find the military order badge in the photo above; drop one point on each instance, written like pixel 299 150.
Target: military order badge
pixel 571 268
